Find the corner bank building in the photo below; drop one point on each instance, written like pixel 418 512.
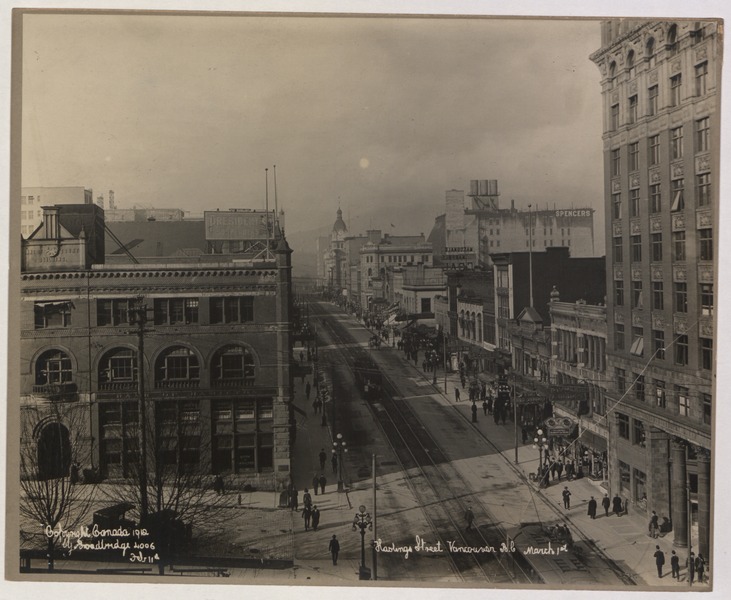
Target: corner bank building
pixel 202 334
pixel 660 83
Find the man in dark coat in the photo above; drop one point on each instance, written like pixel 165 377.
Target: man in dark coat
pixel 566 497
pixel 700 567
pixel 323 458
pixel 334 549
pixel 322 482
pixel 334 462
pixel 456 394
pixel 559 469
pixel 654 526
pixel 606 502
pixel 306 498
pixel 617 505
pixel 307 515
pixel 315 483
pixel 469 516
pixel 592 508
pixel 675 565
pixel 691 566
pixel 484 407
pixel 659 560
pixel 315 517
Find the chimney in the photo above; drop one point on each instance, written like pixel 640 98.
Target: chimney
pixel 51 225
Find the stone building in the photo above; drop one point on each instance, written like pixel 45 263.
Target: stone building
pixel 659 84
pixel 199 344
pixel 33 199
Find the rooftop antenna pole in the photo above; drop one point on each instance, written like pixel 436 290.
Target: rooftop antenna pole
pixel 530 252
pixel 266 199
pixel 276 209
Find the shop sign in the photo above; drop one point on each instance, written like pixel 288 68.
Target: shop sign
pixel 559 425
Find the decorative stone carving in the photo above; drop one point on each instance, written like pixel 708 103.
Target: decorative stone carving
pixel 634 181
pixel 636 319
pixel 675 66
pixel 701 53
pixel 655 176
pixel 634 227
pixel 657 274
pixel 633 87
pixel 676 170
pixel 653 76
pixel 623 139
pixel 679 274
pixel 617 229
pixel 636 274
pixel 702 163
pixel 658 322
pixel 680 325
pixel 618 273
pixel 615 97
pixel 616 186
pixel 705 274
pixel 618 316
pixel 703 218
pixel 678 221
pixel 706 328
pixel 655 224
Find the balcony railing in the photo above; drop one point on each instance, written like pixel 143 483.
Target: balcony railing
pixel 233 382
pixel 56 390
pixel 175 384
pixel 118 386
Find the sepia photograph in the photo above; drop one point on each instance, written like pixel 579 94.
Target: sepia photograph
pixel 363 300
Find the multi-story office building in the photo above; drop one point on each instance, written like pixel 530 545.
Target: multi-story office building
pixel 213 362
pixel 33 199
pixel 660 83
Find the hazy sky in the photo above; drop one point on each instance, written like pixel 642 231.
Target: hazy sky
pixel 173 111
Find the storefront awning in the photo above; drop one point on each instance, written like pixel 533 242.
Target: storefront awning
pixel 593 441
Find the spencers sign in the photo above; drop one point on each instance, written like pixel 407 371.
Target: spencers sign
pixel 574 212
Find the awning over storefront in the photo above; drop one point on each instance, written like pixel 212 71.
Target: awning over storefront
pixel 593 441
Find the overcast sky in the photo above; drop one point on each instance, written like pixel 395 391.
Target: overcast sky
pixel 174 111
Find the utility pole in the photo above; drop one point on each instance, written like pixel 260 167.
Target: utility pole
pixel 375 519
pixel 515 417
pixel 138 316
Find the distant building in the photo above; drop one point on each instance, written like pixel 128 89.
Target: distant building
pixel 144 214
pixel 33 199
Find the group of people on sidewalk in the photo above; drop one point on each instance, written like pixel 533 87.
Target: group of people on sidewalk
pixel 696 565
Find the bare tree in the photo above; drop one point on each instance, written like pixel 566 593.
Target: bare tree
pixel 53 445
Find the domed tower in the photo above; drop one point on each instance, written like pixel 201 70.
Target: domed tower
pixel 335 255
pixel 340 230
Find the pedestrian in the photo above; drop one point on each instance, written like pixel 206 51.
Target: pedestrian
pixel 315 483
pixel 524 433
pixel 218 485
pixel 700 567
pixel 659 560
pixel 307 516
pixel 469 517
pixel 690 564
pixel 675 565
pixel 496 414
pixel 504 413
pixel 334 462
pixel 315 517
pixel 307 499
pixel 323 458
pixel 654 525
pixel 566 497
pixel 294 499
pixel 553 468
pixel 592 508
pixel 334 549
pixel 559 470
pixel 308 389
pixel 617 505
pixel 463 381
pixel 484 408
pixel 314 406
pixel 474 412
pixel 489 405
pixel 456 394
pixel 322 482
pixel 605 504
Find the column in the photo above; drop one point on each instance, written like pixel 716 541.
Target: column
pixel 704 502
pixel 679 493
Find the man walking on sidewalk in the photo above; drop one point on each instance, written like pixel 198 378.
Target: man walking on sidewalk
pixel 334 549
pixel 334 462
pixel 315 483
pixel 592 508
pixel 605 504
pixel 617 505
pixel 675 565
pixel 322 482
pixel 659 560
pixel 566 498
pixel 315 517
pixel 456 394
pixel 323 458
pixel 469 516
pixel 307 515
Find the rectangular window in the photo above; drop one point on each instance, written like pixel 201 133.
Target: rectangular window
pixel 658 343
pixel 638 342
pixel 702 135
pixel 619 336
pixel 706 299
pixel 52 314
pixel 616 168
pixel 706 353
pixel 632 116
pixel 676 143
pixel 634 156
pixel 679 246
pixel 112 312
pixel 676 82
pixel 639 387
pixel 426 305
pixel 681 393
pixel 617 206
pixel 637 295
pixel 681 350
pixel 681 297
pixel 701 79
pixel 653 150
pixel 638 433
pixel 707 408
pixel 652 94
pixel 175 311
pixel 621 376
pixel 624 471
pixel 656 246
pixel 619 293
pixel 705 241
pixel 635 244
pixel 623 425
pixel 660 399
pixel 617 249
pixel 634 203
pixel 703 189
pixel 655 198
pixel 231 309
pixel 614 123
pixel 658 296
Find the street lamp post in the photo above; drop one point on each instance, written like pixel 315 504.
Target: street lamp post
pixel 339 447
pixel 362 520
pixel 540 442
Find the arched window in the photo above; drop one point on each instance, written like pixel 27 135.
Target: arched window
pixel 650 52
pixel 461 322
pixel 479 327
pixel 53 367
pixel 177 367
pixel 370 272
pixel 612 74
pixel 631 63
pixel 672 45
pixel 118 370
pixel 233 366
pixel 472 326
